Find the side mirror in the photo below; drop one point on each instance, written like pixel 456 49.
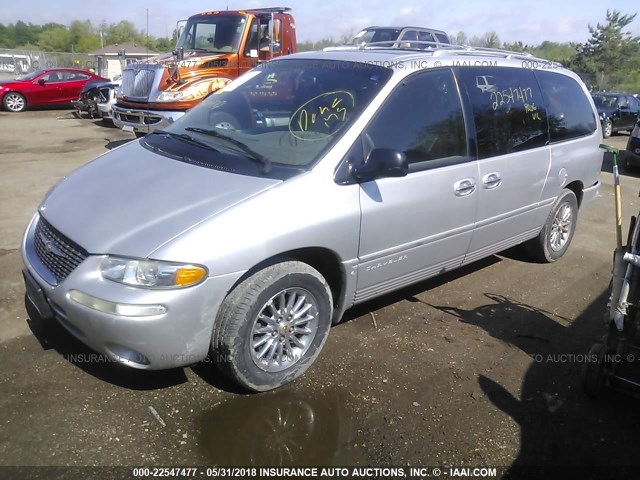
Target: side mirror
pixel 41 81
pixel 382 163
pixel 179 53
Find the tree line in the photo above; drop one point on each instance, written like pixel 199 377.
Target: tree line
pixel 80 36
pixel 608 60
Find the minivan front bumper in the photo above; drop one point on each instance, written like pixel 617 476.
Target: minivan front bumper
pixel 178 337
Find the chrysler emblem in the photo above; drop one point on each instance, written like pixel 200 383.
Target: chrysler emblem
pixel 50 247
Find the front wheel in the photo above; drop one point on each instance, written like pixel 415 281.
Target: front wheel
pixel 553 240
pixel 272 326
pixel 14 102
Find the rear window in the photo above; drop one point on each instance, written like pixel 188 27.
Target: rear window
pixel 568 108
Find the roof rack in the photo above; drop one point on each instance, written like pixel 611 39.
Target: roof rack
pixel 440 49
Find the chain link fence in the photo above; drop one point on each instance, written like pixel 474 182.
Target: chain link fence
pixel 19 62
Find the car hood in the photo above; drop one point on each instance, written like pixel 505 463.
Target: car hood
pixel 132 201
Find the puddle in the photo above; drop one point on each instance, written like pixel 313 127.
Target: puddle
pixel 282 428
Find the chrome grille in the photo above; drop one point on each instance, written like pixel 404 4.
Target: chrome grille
pixel 137 83
pixel 56 252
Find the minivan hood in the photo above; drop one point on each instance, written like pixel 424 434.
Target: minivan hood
pixel 131 201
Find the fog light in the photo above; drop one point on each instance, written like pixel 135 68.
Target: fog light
pixel 120 309
pixel 636 151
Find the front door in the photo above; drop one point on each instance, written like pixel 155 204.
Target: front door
pixel 420 225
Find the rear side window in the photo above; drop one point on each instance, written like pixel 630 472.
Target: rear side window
pixel 568 108
pixel 508 109
pixel 422 118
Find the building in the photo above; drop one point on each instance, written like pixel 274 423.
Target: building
pixel 109 63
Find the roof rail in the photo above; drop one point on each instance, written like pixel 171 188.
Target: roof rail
pixel 440 49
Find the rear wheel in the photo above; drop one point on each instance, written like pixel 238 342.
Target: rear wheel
pixel 14 102
pixel 272 326
pixel 553 240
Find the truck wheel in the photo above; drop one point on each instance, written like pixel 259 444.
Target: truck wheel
pixel 14 102
pixel 272 326
pixel 553 240
pixel 223 121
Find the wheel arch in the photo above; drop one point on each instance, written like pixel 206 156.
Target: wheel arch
pixel 326 261
pixel 576 187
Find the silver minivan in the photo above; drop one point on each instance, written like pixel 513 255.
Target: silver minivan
pixel 310 184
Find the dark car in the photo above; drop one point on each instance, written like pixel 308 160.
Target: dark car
pixel 632 155
pixel 617 111
pixel 57 86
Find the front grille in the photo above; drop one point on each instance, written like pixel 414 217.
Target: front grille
pixel 137 83
pixel 59 254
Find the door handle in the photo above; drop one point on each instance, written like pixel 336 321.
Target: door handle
pixel 464 187
pixel 491 180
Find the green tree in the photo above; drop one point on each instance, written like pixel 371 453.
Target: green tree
pixel 611 53
pixel 55 39
pixel 122 32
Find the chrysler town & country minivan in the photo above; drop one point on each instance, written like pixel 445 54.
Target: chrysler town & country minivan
pixel 310 184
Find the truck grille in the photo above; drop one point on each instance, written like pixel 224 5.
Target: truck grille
pixel 59 254
pixel 137 83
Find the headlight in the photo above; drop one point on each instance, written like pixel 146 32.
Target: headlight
pixel 197 90
pixel 151 273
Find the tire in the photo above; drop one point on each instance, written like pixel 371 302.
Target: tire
pixel 555 237
pixel 14 102
pixel 593 373
pixel 223 121
pixel 607 128
pixel 253 342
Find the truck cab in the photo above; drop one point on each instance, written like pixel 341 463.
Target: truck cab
pixel 213 48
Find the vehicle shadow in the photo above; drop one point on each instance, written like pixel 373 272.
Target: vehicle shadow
pixel 52 335
pixel 560 426
pixel 111 144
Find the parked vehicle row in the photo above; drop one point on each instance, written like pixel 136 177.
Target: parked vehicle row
pixel 248 226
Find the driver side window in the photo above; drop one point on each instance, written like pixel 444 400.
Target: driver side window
pixel 423 119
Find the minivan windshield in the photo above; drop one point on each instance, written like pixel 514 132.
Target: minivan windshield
pixel 284 113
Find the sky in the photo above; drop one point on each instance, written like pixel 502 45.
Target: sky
pixel 528 21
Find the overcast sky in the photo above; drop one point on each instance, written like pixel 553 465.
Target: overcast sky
pixel 525 20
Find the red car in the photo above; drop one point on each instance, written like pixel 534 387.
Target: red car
pixel 54 86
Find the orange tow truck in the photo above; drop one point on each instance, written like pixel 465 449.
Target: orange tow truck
pixel 213 48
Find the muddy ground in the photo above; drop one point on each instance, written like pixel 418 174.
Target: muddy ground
pixel 479 367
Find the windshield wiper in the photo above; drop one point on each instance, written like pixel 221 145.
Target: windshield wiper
pixel 251 154
pixel 185 138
